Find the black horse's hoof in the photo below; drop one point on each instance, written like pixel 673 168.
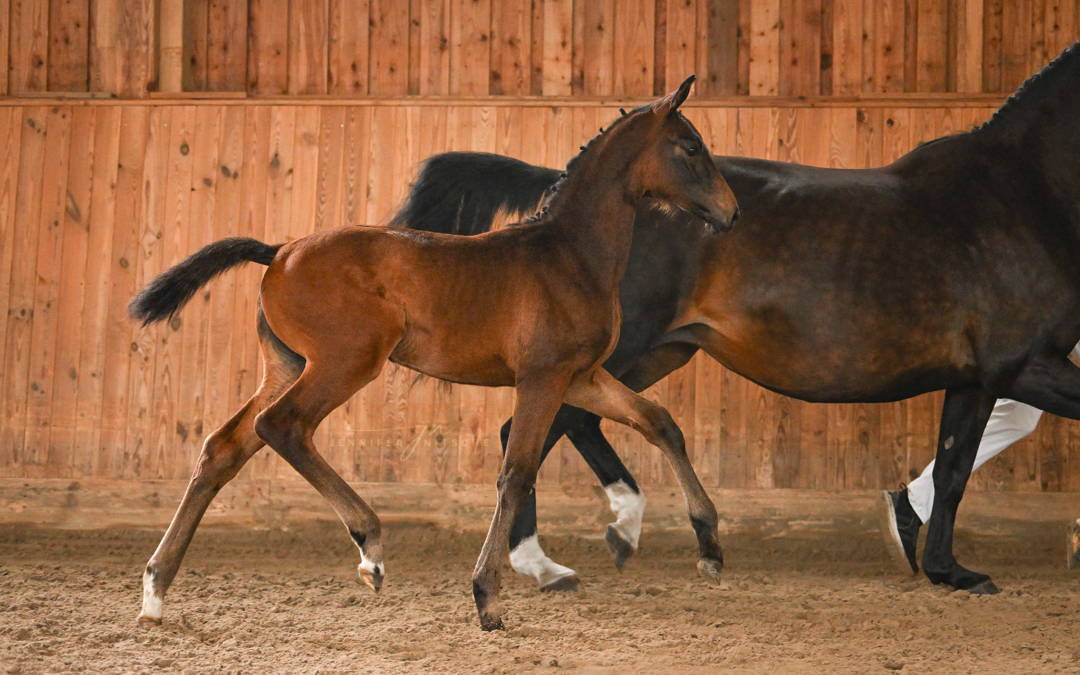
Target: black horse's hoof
pixel 984 588
pixel 620 547
pixel 710 569
pixel 567 584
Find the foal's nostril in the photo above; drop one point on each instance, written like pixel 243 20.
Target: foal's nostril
pixel 735 216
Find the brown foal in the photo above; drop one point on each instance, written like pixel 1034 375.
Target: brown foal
pixel 535 307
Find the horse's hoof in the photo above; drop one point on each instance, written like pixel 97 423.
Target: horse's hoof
pixel 569 584
pixel 984 588
pixel 371 579
pixel 490 623
pixel 710 569
pixel 148 621
pixel 620 547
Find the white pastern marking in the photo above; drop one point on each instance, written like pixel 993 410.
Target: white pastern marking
pixel 629 509
pixel 371 566
pixel 529 559
pixel 151 603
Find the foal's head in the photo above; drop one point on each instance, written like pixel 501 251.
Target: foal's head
pixel 674 164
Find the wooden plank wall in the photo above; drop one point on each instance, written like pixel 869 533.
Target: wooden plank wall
pixel 95 200
pixel 528 47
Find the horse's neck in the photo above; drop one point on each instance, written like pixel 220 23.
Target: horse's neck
pixel 594 213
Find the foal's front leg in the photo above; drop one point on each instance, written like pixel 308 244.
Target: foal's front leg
pixel 539 398
pixel 604 395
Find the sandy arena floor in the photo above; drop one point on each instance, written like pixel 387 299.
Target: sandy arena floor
pixel 290 602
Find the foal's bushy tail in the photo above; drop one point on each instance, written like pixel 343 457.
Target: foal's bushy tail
pixel 167 294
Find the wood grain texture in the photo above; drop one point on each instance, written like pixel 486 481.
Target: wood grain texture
pixel 88 394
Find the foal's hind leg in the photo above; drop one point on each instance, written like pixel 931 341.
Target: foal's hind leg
pixel 963 419
pixel 223 454
pixel 288 425
pixel 604 395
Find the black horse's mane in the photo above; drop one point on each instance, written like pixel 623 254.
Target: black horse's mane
pixel 1035 85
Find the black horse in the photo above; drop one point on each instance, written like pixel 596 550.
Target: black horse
pixel 953 268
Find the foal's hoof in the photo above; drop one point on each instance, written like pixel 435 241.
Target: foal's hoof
pixel 372 578
pixel 489 622
pixel 710 569
pixel 568 583
pixel 148 621
pixel 984 588
pixel 620 547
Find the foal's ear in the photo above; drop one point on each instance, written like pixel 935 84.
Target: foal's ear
pixel 672 101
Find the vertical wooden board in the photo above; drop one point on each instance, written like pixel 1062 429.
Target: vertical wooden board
pixel 932 45
pixel 268 47
pixel 206 169
pixel 660 9
pixel 226 45
pixel 1015 44
pixel 28 47
pixel 598 48
pixel 993 34
pixel 722 44
pixel 419 429
pixel 969 46
pixel 557 47
pixel 171 47
pixel 305 164
pixel 889 46
pixel 634 35
pixel 75 226
pixel 511 40
pixel 473 430
pixel 800 48
pixel 765 48
pixel 382 146
pixel 847 58
pixel 407 122
pixel 681 45
pixel 1039 48
pixel 21 288
pixel 389 70
pixel 844 138
pixel 825 60
pixel 11 129
pixel 355 165
pixel 196 19
pixel 470 47
pixel 220 378
pixel 107 132
pixel 1062 30
pixel 69 35
pixel 5 38
pixel 147 264
pixel 350 32
pixel 309 24
pixel 118 352
pixel 45 286
pixel 123 50
pixel 160 461
pixel 508 132
pixel 706 420
pixel 328 190
pixel 434 47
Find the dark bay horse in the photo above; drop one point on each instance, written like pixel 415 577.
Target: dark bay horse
pixel 334 306
pixel 954 268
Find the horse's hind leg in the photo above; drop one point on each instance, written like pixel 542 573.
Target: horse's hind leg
pixel 223 454
pixel 289 423
pixel 604 395
pixel 963 419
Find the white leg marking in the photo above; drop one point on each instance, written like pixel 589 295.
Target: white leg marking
pixel 529 559
pixel 151 603
pixel 371 566
pixel 629 509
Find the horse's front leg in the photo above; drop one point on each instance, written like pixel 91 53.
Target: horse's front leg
pixel 963 419
pixel 602 394
pixel 538 399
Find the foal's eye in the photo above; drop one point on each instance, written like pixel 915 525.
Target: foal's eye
pixel 692 150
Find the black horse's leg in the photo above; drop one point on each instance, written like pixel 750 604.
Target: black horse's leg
pixel 526 555
pixel 963 419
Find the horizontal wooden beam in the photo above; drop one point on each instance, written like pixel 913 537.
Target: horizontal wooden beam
pixel 93 504
pixel 239 98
